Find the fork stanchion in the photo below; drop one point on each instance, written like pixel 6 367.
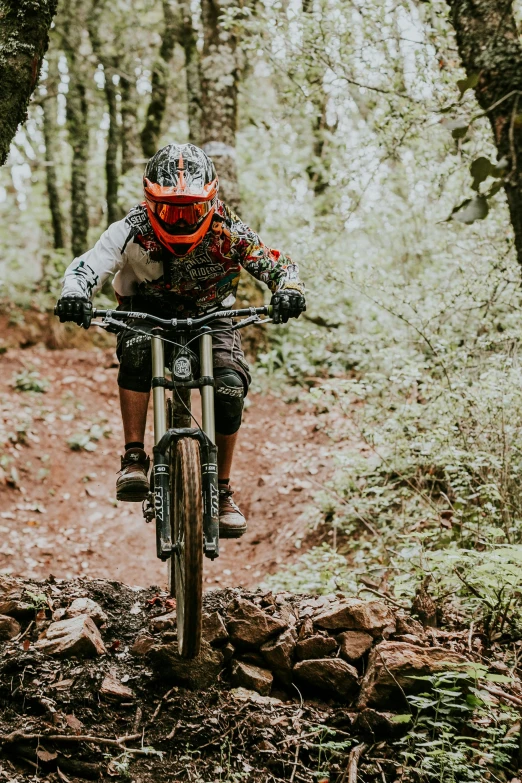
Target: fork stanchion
pixel 207 391
pixel 158 391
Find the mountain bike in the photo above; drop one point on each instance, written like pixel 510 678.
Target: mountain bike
pixel 184 495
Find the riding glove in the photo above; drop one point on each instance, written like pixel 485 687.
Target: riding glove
pixel 287 303
pixel 74 308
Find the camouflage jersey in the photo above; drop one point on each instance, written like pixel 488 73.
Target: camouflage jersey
pixel 203 279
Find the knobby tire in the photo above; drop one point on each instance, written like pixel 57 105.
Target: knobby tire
pixel 186 563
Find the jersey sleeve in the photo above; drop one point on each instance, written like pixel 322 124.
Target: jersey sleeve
pixel 87 273
pixel 272 267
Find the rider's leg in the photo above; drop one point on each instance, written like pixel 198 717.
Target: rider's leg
pixel 226 445
pixel 134 375
pixel 229 397
pixel 134 406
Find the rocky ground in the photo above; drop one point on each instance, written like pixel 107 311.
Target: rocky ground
pixel 287 687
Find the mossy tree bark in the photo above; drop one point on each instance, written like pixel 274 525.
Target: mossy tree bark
pixel 130 149
pixel 24 29
pixel 49 107
pixel 490 49
pixel 160 82
pixel 77 123
pixel 219 73
pixel 110 65
pixel 188 38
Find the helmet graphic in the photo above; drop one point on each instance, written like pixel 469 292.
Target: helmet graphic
pixel 180 185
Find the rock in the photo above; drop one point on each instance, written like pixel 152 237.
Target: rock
pixel 142 644
pixel 376 726
pixel 410 638
pixel 330 675
pixel 306 629
pixel 243 694
pixel 254 678
pixel 405 624
pixel 317 646
pixel 278 653
pixel 9 627
pixel 354 644
pixel 114 690
pixel 74 636
pixel 89 607
pixel 286 614
pixel 213 629
pixel 198 673
pixel 352 614
pixel 391 667
pixel 251 656
pixel 249 626
pixel 13 605
pixel 163 621
pixel 227 652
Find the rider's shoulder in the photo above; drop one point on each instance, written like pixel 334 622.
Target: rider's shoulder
pixel 137 217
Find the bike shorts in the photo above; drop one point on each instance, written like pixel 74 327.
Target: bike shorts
pixel 134 353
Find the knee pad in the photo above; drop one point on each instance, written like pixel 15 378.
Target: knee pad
pixel 229 396
pixel 135 362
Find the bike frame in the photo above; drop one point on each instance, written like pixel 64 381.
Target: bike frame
pixel 165 438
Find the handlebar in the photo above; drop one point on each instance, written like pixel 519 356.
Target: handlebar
pixel 191 323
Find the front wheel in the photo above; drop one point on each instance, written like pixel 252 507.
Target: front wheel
pixel 186 561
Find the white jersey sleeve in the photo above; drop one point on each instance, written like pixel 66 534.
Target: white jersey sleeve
pixel 87 273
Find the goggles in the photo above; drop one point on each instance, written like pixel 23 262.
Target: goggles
pixel 190 214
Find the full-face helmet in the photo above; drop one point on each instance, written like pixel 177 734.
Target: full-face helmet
pixel 180 185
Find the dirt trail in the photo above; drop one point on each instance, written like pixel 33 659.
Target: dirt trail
pixel 61 516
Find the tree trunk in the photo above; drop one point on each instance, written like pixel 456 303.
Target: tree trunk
pixel 111 159
pixel 160 81
pixel 490 48
pixel 219 83
pixel 130 150
pixel 24 28
pixel 188 39
pixel 111 91
pixel 77 114
pixel 49 106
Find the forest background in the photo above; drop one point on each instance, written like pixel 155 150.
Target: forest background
pixel 379 143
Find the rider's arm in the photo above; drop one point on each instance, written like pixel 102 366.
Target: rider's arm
pixel 86 274
pixel 275 269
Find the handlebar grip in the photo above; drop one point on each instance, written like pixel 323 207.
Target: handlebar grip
pixel 269 310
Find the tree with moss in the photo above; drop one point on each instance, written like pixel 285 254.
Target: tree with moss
pixel 24 37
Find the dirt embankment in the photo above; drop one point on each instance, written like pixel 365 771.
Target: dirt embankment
pixel 61 455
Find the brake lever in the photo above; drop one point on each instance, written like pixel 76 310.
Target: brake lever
pixel 107 322
pixel 252 319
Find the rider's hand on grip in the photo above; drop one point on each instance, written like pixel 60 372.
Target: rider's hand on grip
pixel 77 309
pixel 287 303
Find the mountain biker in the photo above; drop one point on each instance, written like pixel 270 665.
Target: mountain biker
pixel 179 254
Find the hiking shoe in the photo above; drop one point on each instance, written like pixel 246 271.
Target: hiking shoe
pixel 232 523
pixel 132 484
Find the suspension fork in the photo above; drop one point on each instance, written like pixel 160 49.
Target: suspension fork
pixel 161 461
pixel 209 468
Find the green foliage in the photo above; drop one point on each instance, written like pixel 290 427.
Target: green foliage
pixel 30 381
pixel 459 733
pixel 87 440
